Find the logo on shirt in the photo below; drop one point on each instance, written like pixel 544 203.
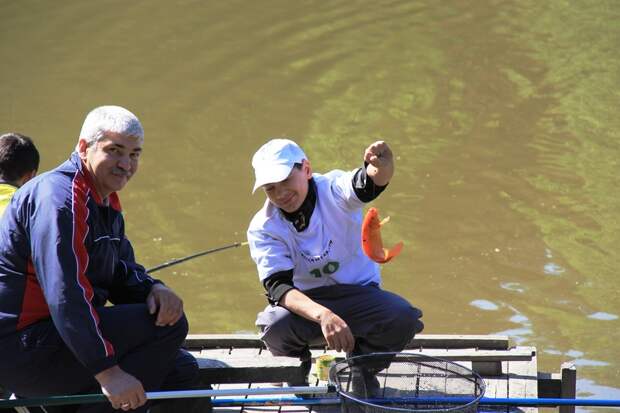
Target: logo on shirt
pixel 327 269
pixel 318 258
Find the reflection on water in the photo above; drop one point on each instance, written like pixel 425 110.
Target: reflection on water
pixel 603 316
pixel 580 362
pixel 513 286
pixel 577 358
pixel 591 390
pixel 485 305
pixel 552 268
pixel 519 319
pixel 588 389
pixel 520 335
pixel 502 116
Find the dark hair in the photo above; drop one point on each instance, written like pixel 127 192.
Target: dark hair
pixel 18 156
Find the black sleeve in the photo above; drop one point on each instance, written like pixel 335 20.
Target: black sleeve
pixel 364 186
pixel 278 284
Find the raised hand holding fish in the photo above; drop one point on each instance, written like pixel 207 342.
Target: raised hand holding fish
pixel 372 243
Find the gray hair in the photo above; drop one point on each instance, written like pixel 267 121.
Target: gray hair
pixel 114 119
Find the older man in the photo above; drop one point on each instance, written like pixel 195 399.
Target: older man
pixel 63 255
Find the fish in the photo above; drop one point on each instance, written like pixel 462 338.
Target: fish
pixel 372 245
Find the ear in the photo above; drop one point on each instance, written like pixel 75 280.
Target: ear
pixel 26 177
pixel 30 175
pixel 82 148
pixel 306 168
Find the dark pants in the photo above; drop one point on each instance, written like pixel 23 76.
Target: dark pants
pixel 35 362
pixel 380 321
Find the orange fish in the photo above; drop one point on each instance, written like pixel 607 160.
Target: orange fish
pixel 371 239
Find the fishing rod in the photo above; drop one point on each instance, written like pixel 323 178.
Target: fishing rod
pixel 198 254
pixel 162 395
pixel 294 401
pixel 298 401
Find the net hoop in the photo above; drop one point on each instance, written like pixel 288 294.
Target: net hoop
pixel 461 403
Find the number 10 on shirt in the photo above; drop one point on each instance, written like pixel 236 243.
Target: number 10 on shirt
pixel 329 268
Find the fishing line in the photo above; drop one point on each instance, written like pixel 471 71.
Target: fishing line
pixel 196 255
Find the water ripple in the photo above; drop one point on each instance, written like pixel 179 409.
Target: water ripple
pixel 517 335
pixel 603 316
pixel 552 268
pixel 589 363
pixel 485 305
pixel 589 388
pixel 513 286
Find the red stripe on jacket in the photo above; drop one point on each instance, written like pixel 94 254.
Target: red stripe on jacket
pixel 34 306
pixel 81 193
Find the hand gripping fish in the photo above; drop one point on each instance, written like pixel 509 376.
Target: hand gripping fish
pixel 371 238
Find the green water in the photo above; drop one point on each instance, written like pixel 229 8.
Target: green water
pixel 503 116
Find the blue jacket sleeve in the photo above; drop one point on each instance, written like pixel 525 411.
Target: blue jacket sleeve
pixel 57 220
pixel 132 283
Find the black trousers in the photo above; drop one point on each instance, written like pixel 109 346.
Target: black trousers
pixel 380 321
pixel 35 362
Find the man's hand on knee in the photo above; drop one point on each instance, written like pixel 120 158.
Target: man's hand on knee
pixel 336 332
pixel 122 389
pixel 168 306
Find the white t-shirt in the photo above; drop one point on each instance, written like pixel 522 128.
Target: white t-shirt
pixel 328 251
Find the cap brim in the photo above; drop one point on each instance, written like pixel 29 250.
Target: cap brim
pixel 270 174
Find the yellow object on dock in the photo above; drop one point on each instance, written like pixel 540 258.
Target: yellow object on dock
pixel 322 365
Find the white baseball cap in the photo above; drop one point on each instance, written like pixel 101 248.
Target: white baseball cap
pixel 274 161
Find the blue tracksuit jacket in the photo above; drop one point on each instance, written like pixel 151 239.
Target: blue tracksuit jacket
pixel 63 254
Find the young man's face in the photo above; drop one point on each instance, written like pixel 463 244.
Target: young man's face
pixel 289 194
pixel 111 161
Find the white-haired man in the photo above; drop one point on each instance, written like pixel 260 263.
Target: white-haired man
pixel 63 255
pixel 306 242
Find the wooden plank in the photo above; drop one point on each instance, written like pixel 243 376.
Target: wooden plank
pixel 257 409
pixel 487 368
pixel 568 388
pixel 229 409
pixel 242 358
pixel 487 342
pixel 523 380
pixel 246 366
pixel 253 365
pixel 288 409
pixel 549 385
pixel 497 386
pixel 243 365
pixel 484 362
pixel 516 354
pixel 251 374
pixel 194 341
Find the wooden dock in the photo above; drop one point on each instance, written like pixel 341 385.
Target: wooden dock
pixel 236 361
